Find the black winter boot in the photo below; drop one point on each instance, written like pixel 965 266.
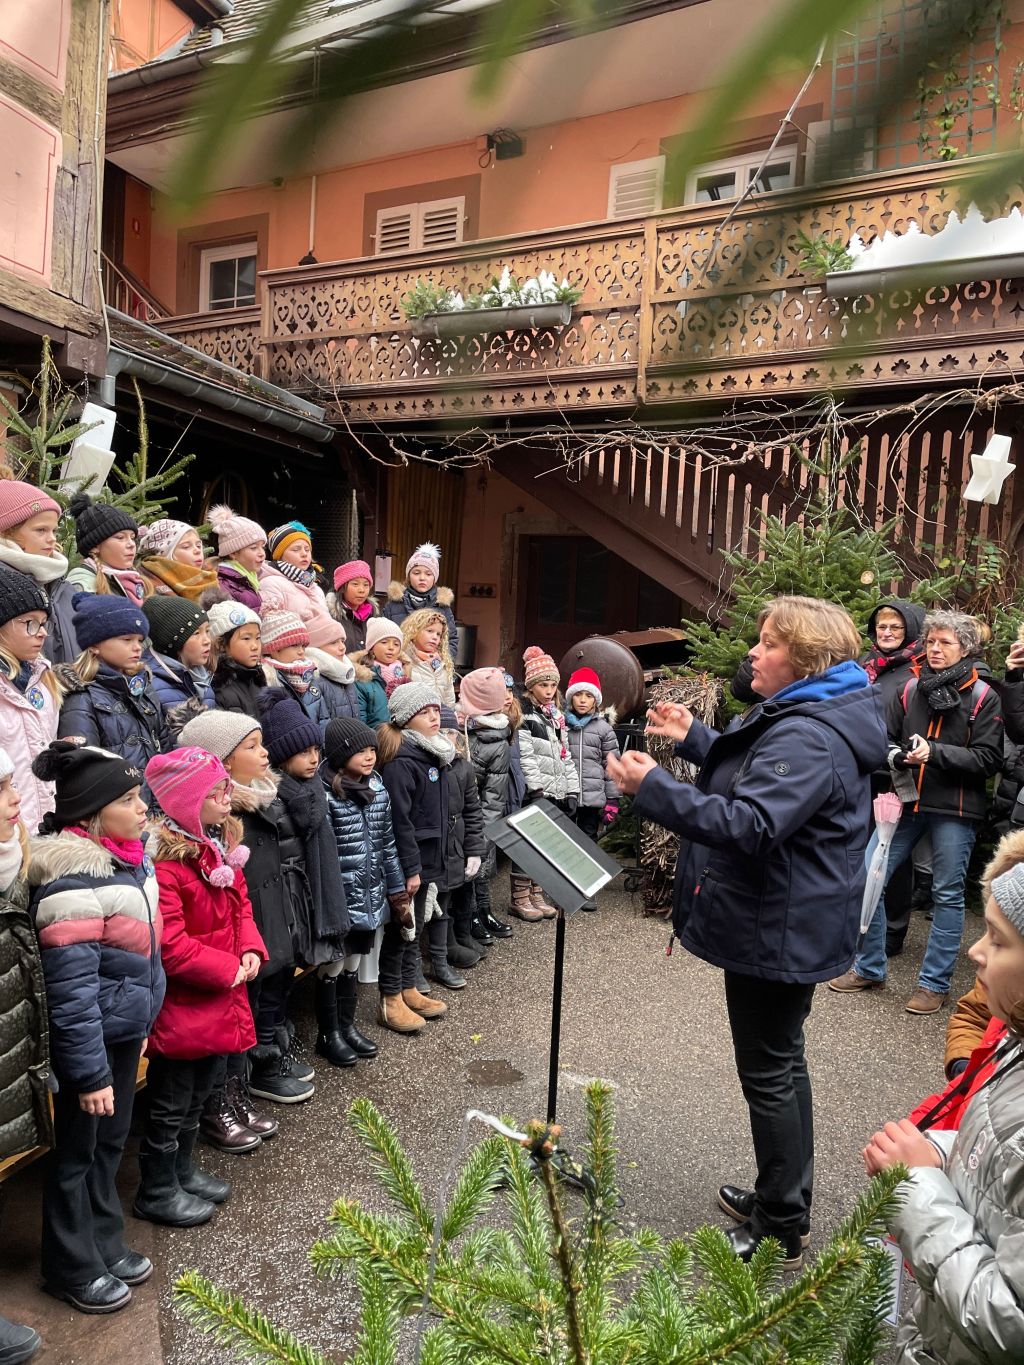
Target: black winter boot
pixel 329 1042
pixel 270 1081
pixel 482 894
pixel 191 1179
pixel 348 994
pixel 287 1040
pixel 460 954
pixel 440 969
pixel 161 1199
pixel 17 1342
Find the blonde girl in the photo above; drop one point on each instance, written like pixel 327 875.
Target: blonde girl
pixel 172 560
pixel 30 695
pixel 425 634
pixel 106 537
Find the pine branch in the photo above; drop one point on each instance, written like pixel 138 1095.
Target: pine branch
pixel 475 1188
pixel 390 1163
pixel 236 1326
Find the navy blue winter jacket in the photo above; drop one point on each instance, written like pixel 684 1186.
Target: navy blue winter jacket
pixel 174 684
pixel 365 841
pixel 106 713
pixel 98 924
pixel 770 875
pixel 402 602
pixel 322 700
pixel 419 810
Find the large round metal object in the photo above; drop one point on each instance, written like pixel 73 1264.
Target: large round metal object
pixel 622 678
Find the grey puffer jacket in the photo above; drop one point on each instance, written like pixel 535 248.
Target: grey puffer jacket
pixel 366 850
pixel 547 763
pixel 490 753
pixel 961 1229
pixel 24 1030
pixel 591 740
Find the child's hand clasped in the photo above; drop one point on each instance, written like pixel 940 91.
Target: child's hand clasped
pixel 250 965
pixel 899 1143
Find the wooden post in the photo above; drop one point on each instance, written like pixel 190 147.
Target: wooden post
pixel 645 342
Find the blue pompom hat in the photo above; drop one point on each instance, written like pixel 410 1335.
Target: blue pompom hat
pixel 103 616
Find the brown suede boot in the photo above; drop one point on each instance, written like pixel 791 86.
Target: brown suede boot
pixel 522 905
pixel 424 1005
pixel 538 901
pixel 396 1015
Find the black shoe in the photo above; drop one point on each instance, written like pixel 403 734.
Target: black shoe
pixel 480 932
pixel 269 1080
pixel 191 1179
pixel 744 1241
pixel 133 1268
pixel 589 905
pixel 287 1041
pixel 329 1042
pixel 422 984
pixel 348 994
pixel 105 1294
pixel 17 1342
pixel 497 927
pixel 893 947
pixel 442 973
pixel 162 1200
pixel 739 1204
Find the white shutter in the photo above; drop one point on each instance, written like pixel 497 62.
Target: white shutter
pixel 636 187
pixel 395 229
pixel 860 161
pixel 441 222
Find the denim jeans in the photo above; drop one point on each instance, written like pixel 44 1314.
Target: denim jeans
pixel 952 842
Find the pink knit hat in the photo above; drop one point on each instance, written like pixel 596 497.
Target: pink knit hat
pixel 355 568
pixel 234 532
pixel 181 781
pixel 281 629
pixel 482 692
pixel 19 501
pixel 540 667
pixel 324 631
pixel 425 556
pixel 380 628
pixel 161 537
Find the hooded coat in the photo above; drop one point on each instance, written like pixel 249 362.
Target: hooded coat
pixel 419 810
pixel 465 837
pixel 547 764
pixel 364 842
pixel 355 630
pixel 238 587
pixel 490 753
pixel 893 667
pixel 174 684
pixel 25 1120
pixel 99 924
pixel 770 874
pixel 372 693
pixel 402 602
pixel 305 804
pixel 591 740
pixel 280 593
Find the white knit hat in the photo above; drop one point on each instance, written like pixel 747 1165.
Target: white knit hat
pixel 234 532
pixel 228 616
pixel 161 537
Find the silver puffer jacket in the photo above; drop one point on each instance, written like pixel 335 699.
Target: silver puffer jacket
pixel 961 1230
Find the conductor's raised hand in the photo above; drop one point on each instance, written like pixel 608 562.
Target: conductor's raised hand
pixel 669 719
pixel 630 770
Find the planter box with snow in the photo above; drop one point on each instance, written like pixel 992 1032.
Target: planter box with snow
pixel 473 321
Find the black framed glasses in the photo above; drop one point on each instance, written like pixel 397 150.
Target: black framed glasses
pixel 32 627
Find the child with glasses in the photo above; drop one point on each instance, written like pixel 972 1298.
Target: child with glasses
pixel 30 695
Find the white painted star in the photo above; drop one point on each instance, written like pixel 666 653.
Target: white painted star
pixel 990 470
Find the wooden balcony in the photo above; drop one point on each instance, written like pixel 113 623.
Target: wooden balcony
pixel 668 316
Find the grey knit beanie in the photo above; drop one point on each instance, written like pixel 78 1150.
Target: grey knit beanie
pixel 218 732
pixel 409 700
pixel 1008 890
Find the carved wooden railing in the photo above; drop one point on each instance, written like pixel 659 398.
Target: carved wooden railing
pixel 231 336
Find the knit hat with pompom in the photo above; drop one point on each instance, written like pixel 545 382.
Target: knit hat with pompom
pixel 181 781
pixel 160 538
pixel 96 522
pixel 87 778
pixel 482 692
pixel 425 556
pixel 538 667
pixel 281 537
pixel 234 532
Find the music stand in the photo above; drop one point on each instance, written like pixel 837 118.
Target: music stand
pixel 544 842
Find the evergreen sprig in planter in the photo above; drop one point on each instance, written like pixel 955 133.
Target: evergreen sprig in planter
pixel 472 321
pixel 507 305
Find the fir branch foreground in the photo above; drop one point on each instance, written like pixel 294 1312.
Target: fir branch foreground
pixel 504 1274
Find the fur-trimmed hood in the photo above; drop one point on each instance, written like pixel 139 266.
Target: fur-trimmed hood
pixel 396 591
pixel 364 671
pixel 66 855
pixel 607 713
pixel 257 796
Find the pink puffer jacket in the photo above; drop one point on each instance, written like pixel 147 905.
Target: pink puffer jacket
pixel 281 594
pixel 28 721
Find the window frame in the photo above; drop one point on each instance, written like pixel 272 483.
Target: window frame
pixel 226 251
pixel 742 164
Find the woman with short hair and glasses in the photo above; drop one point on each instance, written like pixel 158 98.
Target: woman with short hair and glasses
pixel 770 875
pixel 30 695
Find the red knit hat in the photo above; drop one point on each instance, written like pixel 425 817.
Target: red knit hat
pixel 584 680
pixel 539 667
pixel 355 568
pixel 19 501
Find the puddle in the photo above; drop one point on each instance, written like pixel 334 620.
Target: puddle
pixel 493 1072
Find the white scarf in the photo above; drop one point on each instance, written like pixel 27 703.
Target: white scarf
pixel 10 862
pixel 440 748
pixel 338 670
pixel 44 570
pixel 492 720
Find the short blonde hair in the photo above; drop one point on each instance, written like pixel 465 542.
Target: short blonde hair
pixel 816 633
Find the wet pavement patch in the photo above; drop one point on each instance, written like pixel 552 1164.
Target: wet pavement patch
pixel 494 1071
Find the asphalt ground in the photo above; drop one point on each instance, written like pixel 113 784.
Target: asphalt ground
pixel 654 1026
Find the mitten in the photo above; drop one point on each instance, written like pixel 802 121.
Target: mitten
pixel 472 868
pixel 431 906
pixel 610 812
pixel 401 907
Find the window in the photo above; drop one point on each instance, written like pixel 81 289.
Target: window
pixel 728 178
pixel 418 227
pixel 227 277
pixel 636 187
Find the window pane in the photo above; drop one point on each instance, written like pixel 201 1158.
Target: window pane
pixel 777 175
pixel 715 185
pixel 553 582
pixel 222 282
pixel 247 277
pixel 591 602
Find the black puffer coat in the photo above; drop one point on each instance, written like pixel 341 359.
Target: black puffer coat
pixel 278 905
pixel 24 1031
pixel 237 688
pixel 419 810
pixel 464 838
pixel 366 849
pixel 490 753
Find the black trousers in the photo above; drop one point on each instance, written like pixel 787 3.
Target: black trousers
pixel 767 1022
pixel 83 1225
pixel 399 960
pixel 588 820
pixel 177 1090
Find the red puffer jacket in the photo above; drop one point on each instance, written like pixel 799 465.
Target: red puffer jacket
pixel 206 931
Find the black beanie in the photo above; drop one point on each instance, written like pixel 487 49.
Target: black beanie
pixel 171 621
pixel 87 778
pixel 19 593
pixel 97 521
pixel 287 729
pixel 344 738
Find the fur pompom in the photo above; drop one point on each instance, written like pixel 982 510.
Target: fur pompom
pixel 79 503
pixel 218 515
pixel 222 876
pixel 239 856
pixel 430 549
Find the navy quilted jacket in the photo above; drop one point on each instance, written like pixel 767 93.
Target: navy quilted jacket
pixel 366 850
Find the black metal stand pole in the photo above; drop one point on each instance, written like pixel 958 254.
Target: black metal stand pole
pixel 556 1015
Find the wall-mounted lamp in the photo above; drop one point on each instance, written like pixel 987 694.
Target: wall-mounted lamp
pixel 990 470
pixel 502 145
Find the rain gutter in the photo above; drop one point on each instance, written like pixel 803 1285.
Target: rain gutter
pixel 846 284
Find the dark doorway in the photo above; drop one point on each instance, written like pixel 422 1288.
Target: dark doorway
pixel 576 587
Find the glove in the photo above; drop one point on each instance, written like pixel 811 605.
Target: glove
pixel 472 868
pixel 610 812
pixel 571 806
pixel 401 908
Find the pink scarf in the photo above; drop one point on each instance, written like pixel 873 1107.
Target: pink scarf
pixel 130 851
pixel 363 612
pixel 133 585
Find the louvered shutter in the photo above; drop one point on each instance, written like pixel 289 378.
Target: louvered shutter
pixel 441 222
pixel 636 187
pixel 395 229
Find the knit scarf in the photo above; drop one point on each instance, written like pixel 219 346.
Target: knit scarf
pixel 576 722
pixel 361 613
pixel 297 675
pixel 355 789
pixel 493 720
pixel 130 851
pixel 133 585
pixel 182 579
pixel 43 568
pixel 557 719
pixel 306 802
pixel 433 661
pixel 11 858
pixel 942 690
pixel 306 578
pixel 420 600
pixel 436 745
pixel 247 574
pixel 341 671
pixel 879 662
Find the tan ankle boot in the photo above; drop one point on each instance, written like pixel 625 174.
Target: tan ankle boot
pixel 396 1015
pixel 539 902
pixel 424 1005
pixel 522 905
